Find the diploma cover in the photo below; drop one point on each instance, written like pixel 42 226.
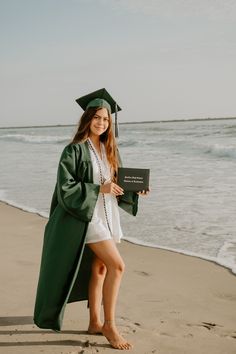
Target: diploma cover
pixel 133 179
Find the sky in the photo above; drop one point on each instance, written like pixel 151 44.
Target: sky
pixel 159 59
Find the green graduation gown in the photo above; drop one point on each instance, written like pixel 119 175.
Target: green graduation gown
pixel 66 259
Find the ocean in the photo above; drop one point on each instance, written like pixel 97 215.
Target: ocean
pixel 191 206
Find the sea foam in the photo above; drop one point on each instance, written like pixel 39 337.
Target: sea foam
pixel 221 150
pixel 36 139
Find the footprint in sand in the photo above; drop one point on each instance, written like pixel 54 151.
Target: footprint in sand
pixel 141 272
pixel 224 296
pixel 128 326
pixel 217 329
pixel 208 325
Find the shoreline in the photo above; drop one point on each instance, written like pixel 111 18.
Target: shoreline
pixel 135 242
pixel 168 302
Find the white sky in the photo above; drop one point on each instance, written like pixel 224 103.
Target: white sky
pixel 161 59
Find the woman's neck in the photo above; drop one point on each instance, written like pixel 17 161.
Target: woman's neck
pixel 95 140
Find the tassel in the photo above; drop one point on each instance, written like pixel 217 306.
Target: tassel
pixel 116 123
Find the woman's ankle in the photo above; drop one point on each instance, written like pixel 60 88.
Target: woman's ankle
pixel 94 323
pixel 109 324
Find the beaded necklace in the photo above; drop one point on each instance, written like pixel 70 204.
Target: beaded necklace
pixel 102 180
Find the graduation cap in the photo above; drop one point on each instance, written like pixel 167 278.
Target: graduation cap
pixel 100 98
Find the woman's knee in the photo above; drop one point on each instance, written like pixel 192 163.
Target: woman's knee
pixel 108 254
pixel 99 268
pixel 118 266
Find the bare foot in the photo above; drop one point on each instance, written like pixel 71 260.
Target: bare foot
pixel 114 338
pixel 95 328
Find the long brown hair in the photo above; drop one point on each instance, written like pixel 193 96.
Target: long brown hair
pixel 107 138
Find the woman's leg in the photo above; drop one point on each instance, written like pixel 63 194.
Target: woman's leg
pixel 108 253
pixel 95 295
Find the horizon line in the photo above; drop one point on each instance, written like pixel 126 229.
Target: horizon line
pixel 122 123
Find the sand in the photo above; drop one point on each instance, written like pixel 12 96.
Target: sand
pixel 168 303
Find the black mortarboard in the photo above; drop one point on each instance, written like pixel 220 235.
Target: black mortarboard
pixel 100 98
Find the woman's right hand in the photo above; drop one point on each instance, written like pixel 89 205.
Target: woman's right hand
pixel 112 188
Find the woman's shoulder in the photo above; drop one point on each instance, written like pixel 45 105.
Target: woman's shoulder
pixel 75 146
pixel 78 149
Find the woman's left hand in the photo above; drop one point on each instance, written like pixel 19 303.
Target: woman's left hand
pixel 144 192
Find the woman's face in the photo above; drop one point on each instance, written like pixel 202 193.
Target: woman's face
pixel 100 122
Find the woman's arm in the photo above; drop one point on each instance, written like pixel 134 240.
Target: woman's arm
pixel 76 196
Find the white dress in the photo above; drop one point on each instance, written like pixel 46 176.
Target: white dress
pixel 105 223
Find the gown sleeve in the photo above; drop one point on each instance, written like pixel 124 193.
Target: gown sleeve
pixel 74 195
pixel 129 202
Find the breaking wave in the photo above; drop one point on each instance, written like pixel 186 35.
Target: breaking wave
pixel 221 151
pixel 36 139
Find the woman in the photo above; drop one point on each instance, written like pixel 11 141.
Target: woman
pixel 80 259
